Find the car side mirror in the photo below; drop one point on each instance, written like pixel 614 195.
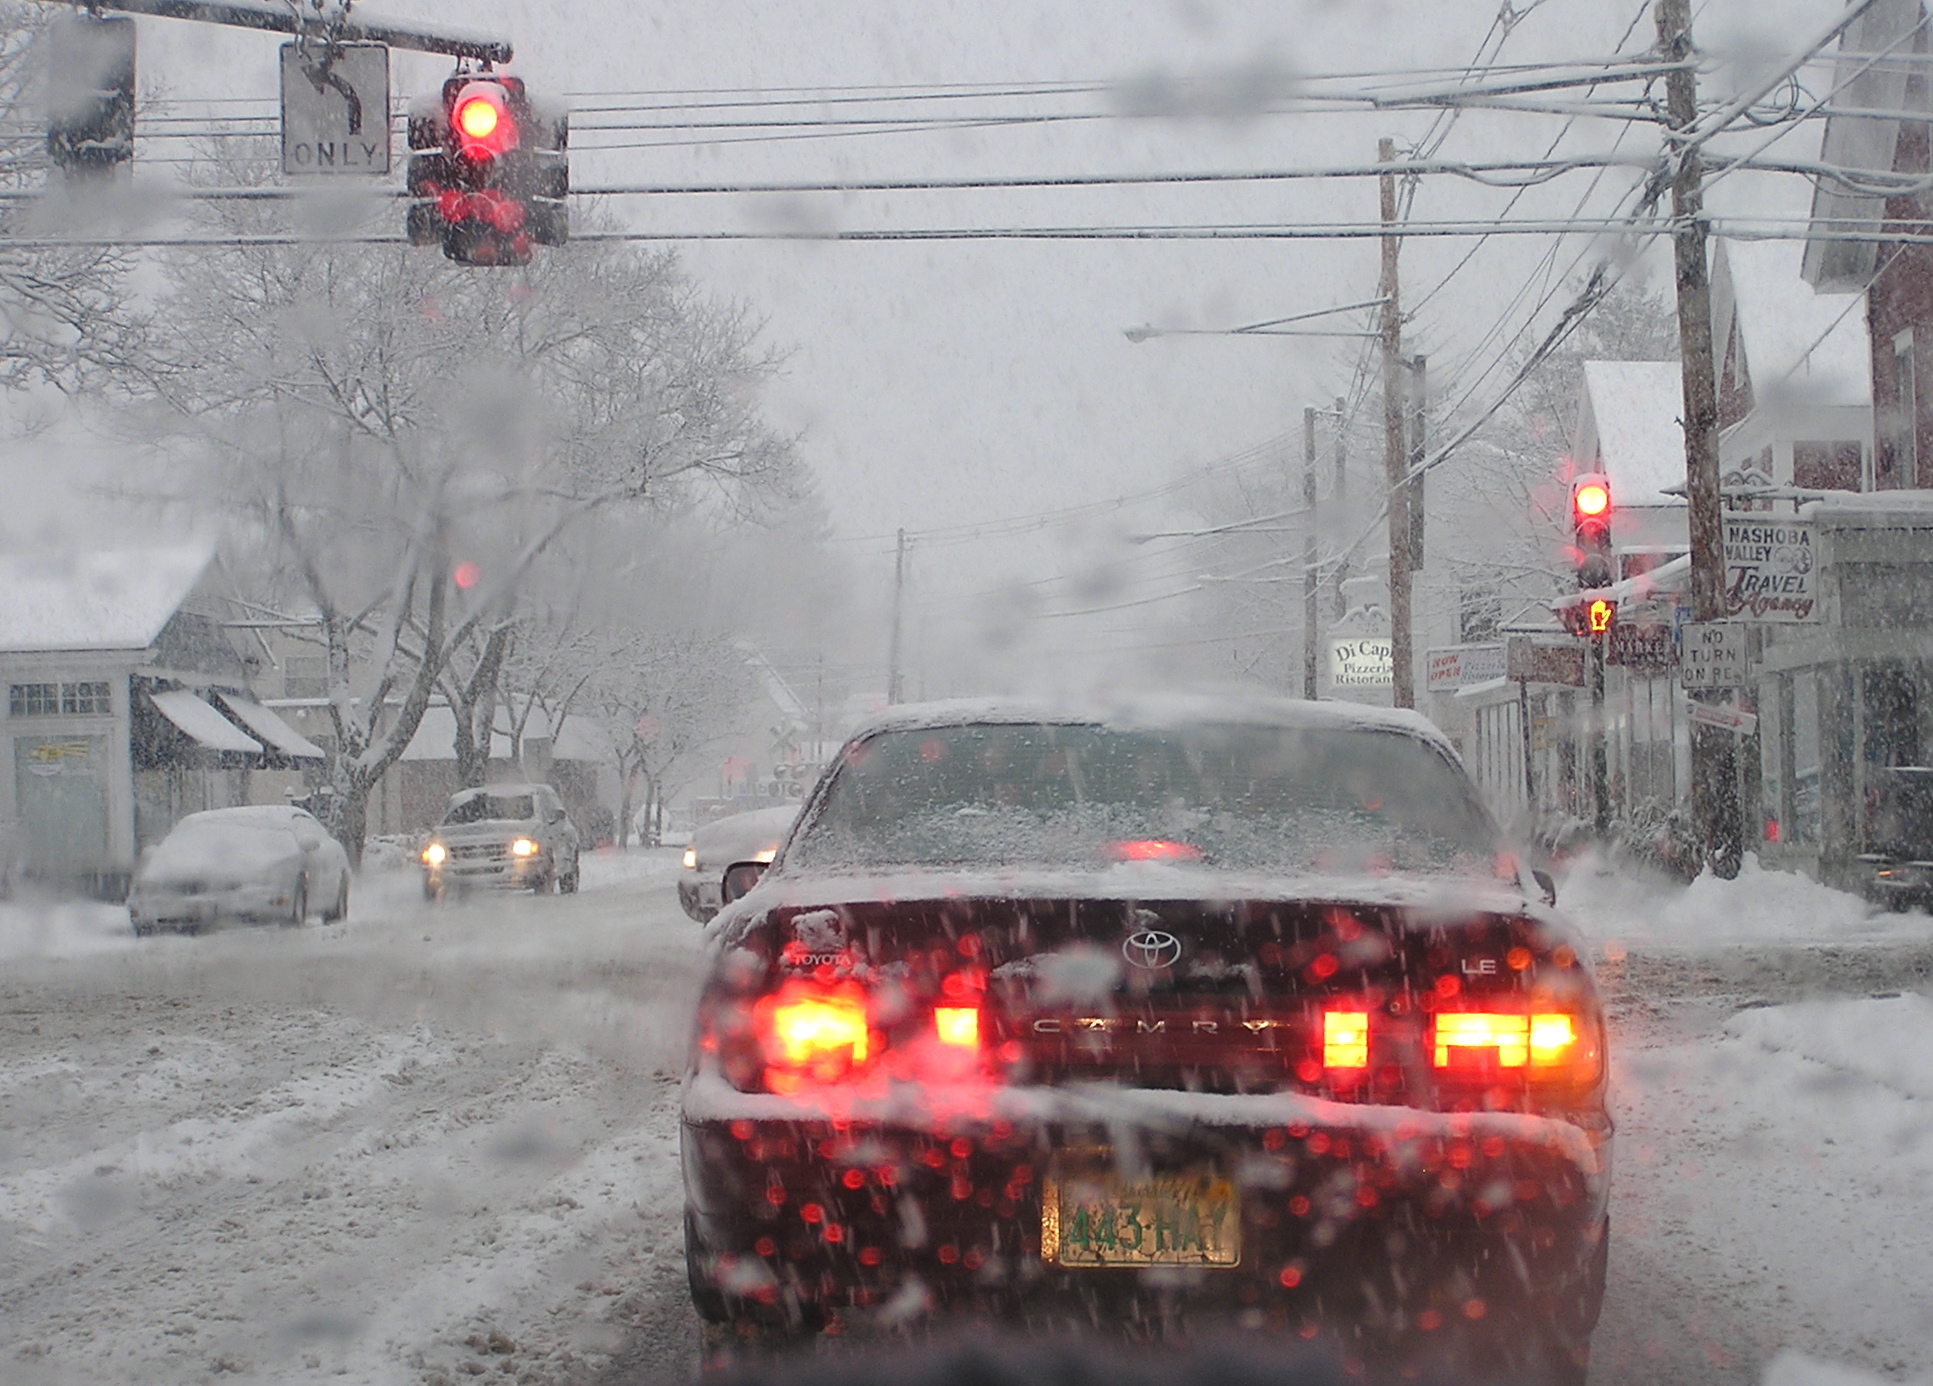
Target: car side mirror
pixel 740 877
pixel 1546 884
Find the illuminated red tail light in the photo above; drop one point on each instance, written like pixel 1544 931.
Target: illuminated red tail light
pixel 1345 1040
pixel 958 1026
pixel 1538 1044
pixel 1154 849
pixel 809 1030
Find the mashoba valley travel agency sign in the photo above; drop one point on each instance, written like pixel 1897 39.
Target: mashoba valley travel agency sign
pixel 1770 569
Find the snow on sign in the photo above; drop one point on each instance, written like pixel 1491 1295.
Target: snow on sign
pixel 1713 655
pixel 1361 663
pixel 335 109
pixel 1770 572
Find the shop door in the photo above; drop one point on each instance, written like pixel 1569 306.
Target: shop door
pixel 60 783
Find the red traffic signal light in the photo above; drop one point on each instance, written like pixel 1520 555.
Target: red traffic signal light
pixel 1591 497
pixel 481 122
pixel 491 171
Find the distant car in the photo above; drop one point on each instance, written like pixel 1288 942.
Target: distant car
pixel 1153 1015
pixel 717 847
pixel 257 863
pixel 505 836
pixel 1897 870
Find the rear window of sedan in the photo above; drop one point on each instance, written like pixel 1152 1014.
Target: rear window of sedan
pixel 1229 796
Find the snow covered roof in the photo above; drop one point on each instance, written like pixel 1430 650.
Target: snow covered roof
pixel 203 723
pixel 1630 429
pixel 110 599
pixel 1801 346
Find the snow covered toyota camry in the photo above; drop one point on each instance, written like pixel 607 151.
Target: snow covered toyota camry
pixel 1230 1011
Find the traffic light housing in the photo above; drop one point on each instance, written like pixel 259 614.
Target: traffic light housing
pixel 90 95
pixel 489 171
pixel 1591 528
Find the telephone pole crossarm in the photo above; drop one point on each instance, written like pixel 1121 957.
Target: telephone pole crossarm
pixel 335 23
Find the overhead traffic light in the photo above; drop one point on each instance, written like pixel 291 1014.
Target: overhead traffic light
pixel 90 95
pixel 1591 528
pixel 493 172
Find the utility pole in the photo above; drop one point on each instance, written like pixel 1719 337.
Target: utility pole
pixel 893 687
pixel 1419 391
pixel 1395 451
pixel 1311 593
pixel 1714 781
pixel 1342 503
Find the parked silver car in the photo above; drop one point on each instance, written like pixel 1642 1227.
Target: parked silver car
pixel 263 862
pixel 512 836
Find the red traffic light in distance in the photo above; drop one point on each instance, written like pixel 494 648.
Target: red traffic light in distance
pixel 1591 498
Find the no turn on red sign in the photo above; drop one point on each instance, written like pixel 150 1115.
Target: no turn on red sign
pixel 1713 655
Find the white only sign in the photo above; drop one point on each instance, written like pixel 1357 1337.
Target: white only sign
pixel 1771 569
pixel 335 109
pixel 1713 655
pixel 1363 663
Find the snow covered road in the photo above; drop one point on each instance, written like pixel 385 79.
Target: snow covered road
pixel 440 1142
pixel 432 1142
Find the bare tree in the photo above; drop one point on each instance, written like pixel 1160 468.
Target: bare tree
pixel 662 699
pixel 404 440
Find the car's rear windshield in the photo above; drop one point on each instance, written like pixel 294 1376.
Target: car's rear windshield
pixel 1224 795
pixel 485 808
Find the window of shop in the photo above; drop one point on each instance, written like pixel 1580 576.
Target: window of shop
pixel 59 699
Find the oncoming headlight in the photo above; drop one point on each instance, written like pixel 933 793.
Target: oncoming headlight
pixel 433 854
pixel 691 858
pixel 523 847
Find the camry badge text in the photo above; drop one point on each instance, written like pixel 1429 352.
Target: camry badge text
pixel 1152 948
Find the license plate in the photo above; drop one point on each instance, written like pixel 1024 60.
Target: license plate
pixel 1093 1218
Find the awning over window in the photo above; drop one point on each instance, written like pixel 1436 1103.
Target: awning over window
pixel 203 723
pixel 272 729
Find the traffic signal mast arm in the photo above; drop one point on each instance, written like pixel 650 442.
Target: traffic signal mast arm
pixel 335 23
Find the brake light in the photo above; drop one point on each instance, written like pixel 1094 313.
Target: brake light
pixel 957 1025
pixel 1345 1039
pixel 814 1030
pixel 1154 849
pixel 1536 1041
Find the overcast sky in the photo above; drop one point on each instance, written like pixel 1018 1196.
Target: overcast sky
pixel 935 383
pixel 941 383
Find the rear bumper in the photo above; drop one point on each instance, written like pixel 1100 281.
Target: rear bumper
pixel 1384 1222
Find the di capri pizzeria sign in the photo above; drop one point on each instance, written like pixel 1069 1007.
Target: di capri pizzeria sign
pixel 1361 663
pixel 1771 569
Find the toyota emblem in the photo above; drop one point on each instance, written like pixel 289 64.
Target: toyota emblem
pixel 1152 949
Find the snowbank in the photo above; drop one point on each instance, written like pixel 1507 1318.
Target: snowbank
pixel 1888 1040
pixel 62 928
pixel 1625 906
